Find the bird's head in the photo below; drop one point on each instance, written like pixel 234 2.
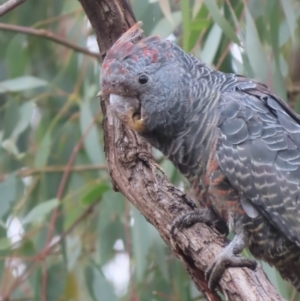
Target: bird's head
pixel 146 82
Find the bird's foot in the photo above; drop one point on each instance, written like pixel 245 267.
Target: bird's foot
pixel 229 257
pixel 199 215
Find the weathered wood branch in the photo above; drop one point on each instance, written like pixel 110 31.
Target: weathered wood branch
pixel 136 175
pixel 9 5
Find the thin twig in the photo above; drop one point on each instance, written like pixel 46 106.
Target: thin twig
pixel 50 36
pixel 9 5
pixel 56 18
pixel 44 282
pixel 294 90
pixel 163 295
pixel 55 168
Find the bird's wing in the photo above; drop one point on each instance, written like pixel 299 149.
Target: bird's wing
pixel 259 152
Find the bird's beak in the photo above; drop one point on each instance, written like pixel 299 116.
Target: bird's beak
pixel 128 110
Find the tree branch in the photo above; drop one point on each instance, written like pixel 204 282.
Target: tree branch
pixel 9 5
pixel 50 36
pixel 135 174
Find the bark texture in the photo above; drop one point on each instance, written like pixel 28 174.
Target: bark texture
pixel 136 175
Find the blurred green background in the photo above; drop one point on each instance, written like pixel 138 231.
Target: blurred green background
pixel 64 233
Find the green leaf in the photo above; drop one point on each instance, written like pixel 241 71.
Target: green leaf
pixel 56 281
pixel 43 151
pixel 186 19
pixel 168 168
pixel 37 214
pixel 11 117
pixel 74 248
pixel 141 242
pixel 21 84
pixel 91 141
pixel 159 251
pixel 255 51
pixel 211 45
pixel 110 223
pixel 290 16
pixel 17 55
pixel 221 21
pixel 274 30
pixel 284 33
pixel 4 243
pixel 278 83
pixel 94 193
pixel 108 235
pixel 26 111
pixel 297 106
pixel 164 28
pixel 199 24
pixel 8 193
pixel 100 289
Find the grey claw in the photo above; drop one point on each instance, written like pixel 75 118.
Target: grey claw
pixel 228 258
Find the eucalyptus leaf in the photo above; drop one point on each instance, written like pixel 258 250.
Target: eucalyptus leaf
pixel 141 243
pixel 21 83
pixel 43 151
pixel 26 112
pixel 7 193
pixel 221 21
pixel 100 288
pixel 38 213
pixel 210 48
pixel 56 281
pixel 289 11
pixel 255 51
pixel 91 141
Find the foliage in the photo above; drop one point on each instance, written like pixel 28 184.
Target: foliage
pixel 64 233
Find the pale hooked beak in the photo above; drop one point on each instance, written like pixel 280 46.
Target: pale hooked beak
pixel 128 110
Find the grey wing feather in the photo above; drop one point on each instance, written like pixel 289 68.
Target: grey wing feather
pixel 259 152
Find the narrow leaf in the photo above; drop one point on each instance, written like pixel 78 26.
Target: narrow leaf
pixel 166 9
pixel 290 16
pixel 100 288
pixel 21 84
pixel 56 281
pixel 141 242
pixel 94 193
pixel 165 28
pixel 221 21
pixel 211 44
pixel 255 51
pixel 37 214
pixel 91 141
pixel 8 193
pixel 43 151
pixel 26 111
pixel 185 11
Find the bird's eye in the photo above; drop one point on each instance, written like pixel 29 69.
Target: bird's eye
pixel 143 79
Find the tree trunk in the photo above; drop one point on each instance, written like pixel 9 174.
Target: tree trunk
pixel 136 175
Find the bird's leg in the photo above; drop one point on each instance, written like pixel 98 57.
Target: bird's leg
pixel 229 257
pixel 199 215
pixel 189 202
